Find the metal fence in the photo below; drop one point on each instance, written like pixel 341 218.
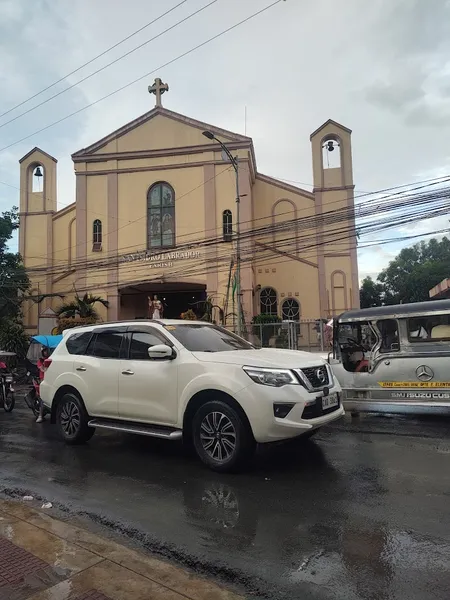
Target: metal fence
pixel 304 335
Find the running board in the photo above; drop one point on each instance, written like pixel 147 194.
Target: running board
pixel 166 433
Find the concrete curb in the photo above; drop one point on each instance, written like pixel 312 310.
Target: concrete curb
pixel 86 560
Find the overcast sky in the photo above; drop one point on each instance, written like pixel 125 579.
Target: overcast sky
pixel 382 68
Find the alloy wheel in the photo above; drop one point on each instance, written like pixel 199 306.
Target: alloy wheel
pixel 218 436
pixel 70 418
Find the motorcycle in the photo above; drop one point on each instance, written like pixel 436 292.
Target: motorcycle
pixel 7 397
pixel 32 398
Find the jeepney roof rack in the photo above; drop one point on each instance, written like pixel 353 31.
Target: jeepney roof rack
pixel 396 311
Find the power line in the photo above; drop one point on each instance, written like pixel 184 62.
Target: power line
pixel 179 57
pixel 92 59
pixel 225 262
pixel 424 184
pixel 111 63
pixel 332 218
pixel 311 223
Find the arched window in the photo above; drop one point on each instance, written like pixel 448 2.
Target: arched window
pixel 97 236
pixel 161 216
pixel 290 310
pixel 268 301
pixel 227 225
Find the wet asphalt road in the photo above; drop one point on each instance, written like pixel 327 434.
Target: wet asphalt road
pixel 363 512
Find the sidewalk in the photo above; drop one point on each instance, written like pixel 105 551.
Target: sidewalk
pixel 42 558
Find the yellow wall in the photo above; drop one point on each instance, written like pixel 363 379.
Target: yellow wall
pixel 289 260
pixel 159 132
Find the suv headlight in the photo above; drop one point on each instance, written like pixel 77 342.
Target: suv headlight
pixel 273 377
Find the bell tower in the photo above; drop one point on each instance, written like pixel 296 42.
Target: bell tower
pixel 336 232
pixel 38 204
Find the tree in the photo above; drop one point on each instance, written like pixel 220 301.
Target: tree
pixel 371 293
pixel 410 276
pixel 81 307
pixel 13 284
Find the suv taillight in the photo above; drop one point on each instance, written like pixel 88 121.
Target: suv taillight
pixel 47 363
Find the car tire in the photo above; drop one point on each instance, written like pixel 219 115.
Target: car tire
pixel 222 439
pixel 9 402
pixel 72 420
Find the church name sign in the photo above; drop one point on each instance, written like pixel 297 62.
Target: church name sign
pixel 162 260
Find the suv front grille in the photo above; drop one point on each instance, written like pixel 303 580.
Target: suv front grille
pixel 317 376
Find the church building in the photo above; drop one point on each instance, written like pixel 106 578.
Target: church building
pixel 156 214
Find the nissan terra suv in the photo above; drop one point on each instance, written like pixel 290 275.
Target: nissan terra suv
pixel 186 380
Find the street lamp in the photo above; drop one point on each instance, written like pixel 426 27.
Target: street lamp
pixel 235 163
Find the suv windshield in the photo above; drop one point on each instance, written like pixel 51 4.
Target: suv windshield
pixel 207 338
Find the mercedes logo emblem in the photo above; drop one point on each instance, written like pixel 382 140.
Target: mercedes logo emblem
pixel 321 375
pixel 424 373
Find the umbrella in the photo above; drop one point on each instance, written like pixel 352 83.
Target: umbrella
pixel 49 341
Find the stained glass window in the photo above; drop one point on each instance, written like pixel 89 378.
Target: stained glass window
pixel 290 309
pixel 161 216
pixel 268 301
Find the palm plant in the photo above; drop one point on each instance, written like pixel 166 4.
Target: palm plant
pixel 81 307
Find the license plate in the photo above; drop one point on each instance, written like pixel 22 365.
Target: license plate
pixel 330 401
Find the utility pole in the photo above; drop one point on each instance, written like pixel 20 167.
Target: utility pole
pixel 238 248
pixel 234 160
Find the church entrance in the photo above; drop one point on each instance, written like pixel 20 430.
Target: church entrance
pixel 176 299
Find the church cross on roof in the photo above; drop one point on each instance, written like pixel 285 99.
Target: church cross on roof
pixel 158 88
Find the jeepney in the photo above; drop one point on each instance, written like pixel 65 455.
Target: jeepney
pixel 394 359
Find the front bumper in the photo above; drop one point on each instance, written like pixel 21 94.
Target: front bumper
pixel 258 400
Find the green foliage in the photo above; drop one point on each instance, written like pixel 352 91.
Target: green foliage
pixel 13 284
pixel 265 318
pixel 209 307
pixel 371 293
pixel 411 275
pixel 82 307
pixel 13 337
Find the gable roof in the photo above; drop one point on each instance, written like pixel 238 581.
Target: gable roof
pixel 159 110
pixel 285 186
pixel 329 122
pixel 36 149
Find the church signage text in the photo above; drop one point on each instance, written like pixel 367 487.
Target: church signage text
pixel 162 260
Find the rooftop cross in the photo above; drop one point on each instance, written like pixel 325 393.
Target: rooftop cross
pixel 158 88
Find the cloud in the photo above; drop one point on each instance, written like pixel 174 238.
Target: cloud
pixel 413 84
pixel 381 68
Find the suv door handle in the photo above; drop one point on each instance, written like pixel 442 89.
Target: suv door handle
pixel 81 368
pixel 128 372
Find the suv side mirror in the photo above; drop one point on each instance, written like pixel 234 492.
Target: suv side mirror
pixel 161 351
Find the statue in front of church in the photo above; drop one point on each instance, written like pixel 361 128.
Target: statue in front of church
pixel 155 308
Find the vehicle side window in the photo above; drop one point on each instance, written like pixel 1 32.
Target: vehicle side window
pixel 78 343
pixel 141 342
pixel 389 335
pixel 432 328
pixel 106 345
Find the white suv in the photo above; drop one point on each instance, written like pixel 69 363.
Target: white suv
pixel 190 380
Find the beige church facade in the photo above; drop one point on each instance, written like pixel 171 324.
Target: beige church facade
pixel 155 214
